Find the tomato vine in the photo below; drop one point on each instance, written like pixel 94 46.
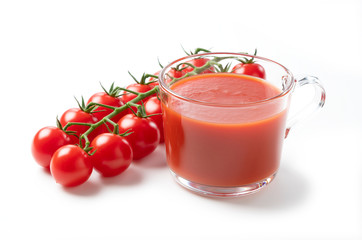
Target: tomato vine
pixel 92 106
pixel 116 110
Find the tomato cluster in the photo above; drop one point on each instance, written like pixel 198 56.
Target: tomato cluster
pixel 71 154
pixel 115 127
pixel 181 70
pixel 245 67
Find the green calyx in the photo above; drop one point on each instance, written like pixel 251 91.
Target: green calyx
pixel 116 110
pixel 115 127
pixel 197 51
pixel 143 78
pixel 159 63
pixel 113 91
pixel 245 60
pixel 182 66
pixel 141 111
pixel 220 68
pixel 85 108
pixel 64 129
pixel 214 62
pixel 152 76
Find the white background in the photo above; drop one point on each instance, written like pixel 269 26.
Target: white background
pixel 51 51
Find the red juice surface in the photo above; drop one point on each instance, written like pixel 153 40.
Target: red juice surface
pixel 224 145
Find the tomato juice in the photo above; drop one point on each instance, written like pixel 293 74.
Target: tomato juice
pixel 224 129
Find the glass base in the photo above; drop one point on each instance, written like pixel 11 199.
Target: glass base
pixel 223 192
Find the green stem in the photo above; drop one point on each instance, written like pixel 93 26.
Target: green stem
pixel 198 70
pixel 140 96
pixel 197 50
pixel 115 126
pixel 133 102
pixel 127 90
pixel 75 123
pixel 100 105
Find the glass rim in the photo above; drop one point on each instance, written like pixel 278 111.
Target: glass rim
pixel 167 89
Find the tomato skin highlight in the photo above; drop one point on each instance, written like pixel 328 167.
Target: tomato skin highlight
pixel 77 115
pixel 145 135
pixel 251 69
pixel 45 142
pixel 113 154
pixel 153 106
pixel 101 112
pixel 70 166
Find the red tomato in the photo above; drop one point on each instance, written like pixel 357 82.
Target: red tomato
pixel 70 166
pixel 129 96
pixel 145 135
pixel 176 73
pixel 136 87
pixel 252 69
pixel 77 115
pixel 172 73
pixel 197 62
pixel 153 106
pixel 101 112
pixel 154 80
pixel 46 141
pixel 112 155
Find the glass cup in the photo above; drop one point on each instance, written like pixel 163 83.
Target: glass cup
pixel 217 143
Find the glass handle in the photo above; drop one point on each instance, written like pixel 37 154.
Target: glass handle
pixel 316 104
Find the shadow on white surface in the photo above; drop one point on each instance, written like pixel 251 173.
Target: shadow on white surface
pixel 96 183
pixel 288 189
pixel 46 171
pixel 131 176
pixel 89 188
pixel 156 159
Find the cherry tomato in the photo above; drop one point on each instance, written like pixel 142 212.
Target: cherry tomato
pixel 112 155
pixel 176 73
pixel 197 62
pixel 70 166
pixel 252 69
pixel 78 115
pixel 154 80
pixel 101 112
pixel 153 106
pixel 46 141
pixel 145 135
pixel 136 87
pixel 126 97
pixel 173 73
